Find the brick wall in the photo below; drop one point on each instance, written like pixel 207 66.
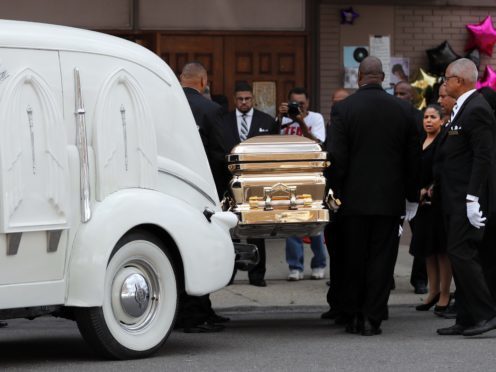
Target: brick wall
pixel 416 29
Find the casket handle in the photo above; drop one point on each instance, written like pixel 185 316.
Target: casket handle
pixel 269 192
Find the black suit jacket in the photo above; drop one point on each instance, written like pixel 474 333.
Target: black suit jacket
pixel 208 117
pixel 261 124
pixel 465 159
pixel 375 150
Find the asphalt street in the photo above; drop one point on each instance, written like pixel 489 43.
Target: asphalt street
pixel 276 328
pixel 294 339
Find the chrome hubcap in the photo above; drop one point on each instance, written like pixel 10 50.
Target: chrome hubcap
pixel 135 295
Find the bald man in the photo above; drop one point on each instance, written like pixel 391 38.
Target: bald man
pixel 195 313
pixel 462 168
pixel 375 156
pixel 208 117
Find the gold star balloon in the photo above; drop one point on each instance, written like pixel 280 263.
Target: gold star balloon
pixel 423 84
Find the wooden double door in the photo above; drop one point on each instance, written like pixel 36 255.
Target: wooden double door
pixel 228 59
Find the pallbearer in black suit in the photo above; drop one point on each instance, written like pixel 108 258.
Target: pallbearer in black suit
pixel 243 123
pixel 195 313
pixel 462 168
pixel 375 157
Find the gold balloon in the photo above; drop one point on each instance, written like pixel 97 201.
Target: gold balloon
pixel 423 84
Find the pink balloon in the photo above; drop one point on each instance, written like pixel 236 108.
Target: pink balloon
pixel 483 36
pixel 488 79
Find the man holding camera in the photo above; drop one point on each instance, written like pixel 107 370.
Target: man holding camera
pixel 295 119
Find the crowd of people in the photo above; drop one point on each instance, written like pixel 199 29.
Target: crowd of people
pixel 391 163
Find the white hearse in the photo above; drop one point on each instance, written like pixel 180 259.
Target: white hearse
pixel 108 208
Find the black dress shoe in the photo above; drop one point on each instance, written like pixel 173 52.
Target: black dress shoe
pixel 420 288
pixel 258 283
pixel 371 328
pixel 204 328
pixel 428 305
pixel 3 324
pixel 456 329
pixel 331 314
pixel 481 327
pixel 354 325
pixel 217 319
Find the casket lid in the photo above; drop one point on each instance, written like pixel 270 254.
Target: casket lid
pixel 277 144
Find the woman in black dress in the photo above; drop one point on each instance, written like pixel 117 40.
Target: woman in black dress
pixel 427 226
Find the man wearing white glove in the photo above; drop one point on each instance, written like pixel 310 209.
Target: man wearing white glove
pixel 410 210
pixel 462 168
pixel 474 214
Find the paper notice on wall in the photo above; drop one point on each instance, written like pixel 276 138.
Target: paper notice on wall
pixel 380 47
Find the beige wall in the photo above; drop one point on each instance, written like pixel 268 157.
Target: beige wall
pixel 93 14
pixel 413 30
pixel 265 15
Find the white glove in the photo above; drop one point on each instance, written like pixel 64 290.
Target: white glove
pixel 400 231
pixel 410 210
pixel 474 214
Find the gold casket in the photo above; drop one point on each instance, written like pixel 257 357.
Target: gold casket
pixel 278 187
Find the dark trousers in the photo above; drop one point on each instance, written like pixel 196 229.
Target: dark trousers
pixel 369 255
pixel 419 271
pixel 473 298
pixel 488 255
pixel 258 272
pixel 334 243
pixel 193 310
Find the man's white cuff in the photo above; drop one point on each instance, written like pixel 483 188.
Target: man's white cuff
pixel 472 198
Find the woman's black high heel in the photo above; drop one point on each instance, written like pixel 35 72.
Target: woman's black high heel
pixel 439 309
pixel 427 306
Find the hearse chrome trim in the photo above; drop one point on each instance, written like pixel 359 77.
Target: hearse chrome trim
pixel 189 183
pixel 82 144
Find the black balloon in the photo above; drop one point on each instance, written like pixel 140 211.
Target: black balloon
pixel 440 57
pixel 474 56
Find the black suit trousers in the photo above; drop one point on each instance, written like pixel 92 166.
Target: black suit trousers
pixel 370 251
pixel 258 272
pixel 334 243
pixel 473 298
pixel 488 255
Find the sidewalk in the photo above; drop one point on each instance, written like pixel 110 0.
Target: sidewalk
pixel 241 296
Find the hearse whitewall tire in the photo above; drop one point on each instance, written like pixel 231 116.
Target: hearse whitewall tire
pixel 140 300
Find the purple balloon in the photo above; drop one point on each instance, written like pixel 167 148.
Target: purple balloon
pixel 348 16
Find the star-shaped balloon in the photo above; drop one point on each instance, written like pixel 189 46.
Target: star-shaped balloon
pixel 488 79
pixel 348 16
pixel 440 57
pixel 424 84
pixel 483 36
pixel 474 56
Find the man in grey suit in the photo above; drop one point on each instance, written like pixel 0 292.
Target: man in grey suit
pixel 238 125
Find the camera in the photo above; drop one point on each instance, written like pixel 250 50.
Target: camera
pixel 293 108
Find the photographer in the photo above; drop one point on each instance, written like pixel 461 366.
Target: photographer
pixel 295 118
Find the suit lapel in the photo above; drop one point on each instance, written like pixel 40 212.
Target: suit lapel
pixel 467 101
pixel 234 126
pixel 448 126
pixel 253 127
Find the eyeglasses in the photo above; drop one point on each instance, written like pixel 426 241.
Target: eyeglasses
pixel 243 99
pixel 446 78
